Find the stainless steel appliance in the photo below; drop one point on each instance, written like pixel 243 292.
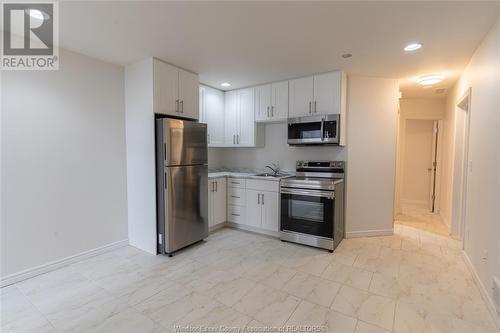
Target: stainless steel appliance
pixel 312 204
pixel 314 130
pixel 182 183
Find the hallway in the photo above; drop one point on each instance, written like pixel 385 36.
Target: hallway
pixel 420 218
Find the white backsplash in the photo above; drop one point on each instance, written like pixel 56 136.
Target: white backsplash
pixel 276 150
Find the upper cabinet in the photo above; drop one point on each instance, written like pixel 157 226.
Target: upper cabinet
pixel 240 127
pixel 271 102
pixel 212 113
pixel 175 91
pixel 320 94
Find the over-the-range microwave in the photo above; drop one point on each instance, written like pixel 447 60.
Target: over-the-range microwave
pixel 314 130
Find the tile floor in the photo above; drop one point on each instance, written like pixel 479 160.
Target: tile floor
pixel 421 218
pixel 413 281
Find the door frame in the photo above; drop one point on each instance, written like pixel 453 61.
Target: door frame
pixel 464 104
pixel 401 140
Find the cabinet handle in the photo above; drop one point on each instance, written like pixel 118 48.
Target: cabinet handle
pixel 272 111
pixel 182 106
pixel 233 196
pixel 176 105
pixel 234 139
pixel 165 179
pixel 237 138
pixel 262 198
pixel 258 198
pixel 208 138
pixel 235 214
pixel 235 183
pixel 310 108
pixel 314 106
pixel 216 186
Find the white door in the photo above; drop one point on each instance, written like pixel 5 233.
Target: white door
pixel 211 195
pixel 219 203
pixel 188 94
pixel 253 208
pixel 327 93
pixel 231 117
pixel 166 88
pixel 246 135
pixel 301 97
pixel 279 100
pixel 262 102
pixel 270 218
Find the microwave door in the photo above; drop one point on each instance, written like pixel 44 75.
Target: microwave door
pixel 305 133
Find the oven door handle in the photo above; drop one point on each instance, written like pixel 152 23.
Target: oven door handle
pixel 311 193
pixel 322 129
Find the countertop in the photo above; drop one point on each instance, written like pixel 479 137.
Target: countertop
pixel 246 175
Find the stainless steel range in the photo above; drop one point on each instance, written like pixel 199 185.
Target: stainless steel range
pixel 312 204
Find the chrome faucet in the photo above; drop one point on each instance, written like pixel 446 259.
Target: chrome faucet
pixel 275 168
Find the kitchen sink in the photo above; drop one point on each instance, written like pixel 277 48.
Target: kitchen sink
pixel 273 175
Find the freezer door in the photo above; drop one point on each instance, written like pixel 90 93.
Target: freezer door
pixel 186 206
pixel 184 142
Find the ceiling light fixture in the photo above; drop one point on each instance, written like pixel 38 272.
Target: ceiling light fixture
pixel 225 84
pixel 37 14
pixel 430 79
pixel 412 47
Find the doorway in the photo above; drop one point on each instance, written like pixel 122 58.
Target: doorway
pixel 419 155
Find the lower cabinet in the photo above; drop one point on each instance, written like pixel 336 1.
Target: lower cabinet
pixel 216 201
pixel 262 209
pixel 245 202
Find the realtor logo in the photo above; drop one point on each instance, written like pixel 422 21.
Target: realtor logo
pixel 29 36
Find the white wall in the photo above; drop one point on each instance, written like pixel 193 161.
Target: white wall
pixel 276 150
pixel 371 155
pixel 141 176
pixel 63 162
pixel 482 227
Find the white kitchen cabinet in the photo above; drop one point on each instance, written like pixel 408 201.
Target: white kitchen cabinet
pixel 327 99
pixel 262 208
pixel 301 97
pixel 212 113
pixel 188 94
pixel 320 94
pixel 253 208
pixel 175 91
pixel 240 127
pixel 271 102
pixel 270 211
pixel 216 201
pixel 236 200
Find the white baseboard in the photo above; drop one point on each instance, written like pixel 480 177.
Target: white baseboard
pixel 216 227
pixel 483 290
pixel 369 233
pixel 254 230
pixel 45 268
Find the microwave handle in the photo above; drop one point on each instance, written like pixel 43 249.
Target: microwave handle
pixel 322 129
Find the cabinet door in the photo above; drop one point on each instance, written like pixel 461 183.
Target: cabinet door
pixel 219 203
pixel 246 134
pixel 279 100
pixel 211 194
pixel 301 95
pixel 188 94
pixel 231 117
pixel 253 208
pixel 212 113
pixel 166 88
pixel 270 211
pixel 327 93
pixel 263 102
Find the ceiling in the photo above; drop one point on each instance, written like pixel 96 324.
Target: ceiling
pixel 248 43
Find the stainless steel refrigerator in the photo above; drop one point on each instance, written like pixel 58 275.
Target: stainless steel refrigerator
pixel 181 179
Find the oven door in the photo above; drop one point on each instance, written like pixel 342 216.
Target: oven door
pixel 309 212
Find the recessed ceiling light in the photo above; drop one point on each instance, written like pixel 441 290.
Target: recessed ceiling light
pixel 412 47
pixel 225 84
pixel 37 14
pixel 346 55
pixel 430 79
